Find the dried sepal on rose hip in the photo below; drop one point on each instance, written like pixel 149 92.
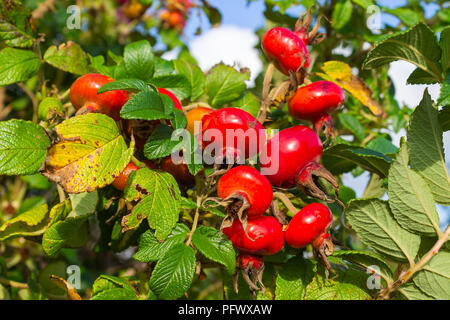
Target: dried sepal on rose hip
pixel 264 237
pixel 285 50
pixel 245 193
pixel 315 102
pixel 292 157
pixel 301 29
pixel 309 226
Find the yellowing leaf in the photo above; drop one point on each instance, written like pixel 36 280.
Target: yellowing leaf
pixel 29 223
pixel 341 73
pixel 63 284
pixel 89 155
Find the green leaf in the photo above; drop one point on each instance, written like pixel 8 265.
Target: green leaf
pixel 420 76
pixel 366 260
pixel 367 159
pixel 410 198
pixel 150 249
pixel 214 245
pixel 176 83
pixel 179 120
pixel 23 146
pixel 293 278
pixel 83 204
pixel 412 292
pixel 192 153
pixel 160 143
pixel 70 233
pixel 224 84
pixel 115 294
pixel 426 151
pixel 30 203
pixel 163 67
pixel 145 105
pixel 249 102
pixel 194 75
pixel 214 16
pixel 90 154
pixel 341 14
pixel 444 118
pixel 139 60
pixel 373 223
pixel 108 287
pixel 17 65
pixel 382 145
pixel 445 47
pixel 407 16
pixel 13 36
pixel 348 285
pixel 131 85
pixel 363 3
pixel 444 97
pixel 417 45
pixel 174 272
pixel 160 202
pixel 434 278
pixel 352 123
pixel 68 57
pixel 30 223
pixel 97 64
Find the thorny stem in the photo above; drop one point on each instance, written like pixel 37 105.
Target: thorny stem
pixel 281 196
pixel 407 275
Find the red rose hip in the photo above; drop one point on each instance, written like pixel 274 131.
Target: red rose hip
pixel 308 225
pixel 84 97
pixel 285 50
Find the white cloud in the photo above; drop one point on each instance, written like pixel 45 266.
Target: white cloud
pixel 410 94
pixel 232 45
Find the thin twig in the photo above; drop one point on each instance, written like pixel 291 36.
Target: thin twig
pixel 407 275
pixel 13 284
pixel 287 203
pixel 33 99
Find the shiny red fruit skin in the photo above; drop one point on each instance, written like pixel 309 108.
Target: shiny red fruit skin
pixel 308 225
pixel 266 232
pixel 298 146
pixel 246 260
pixel 176 102
pixel 250 183
pixel 315 100
pixel 237 120
pixel 121 181
pixel 285 49
pixel 83 93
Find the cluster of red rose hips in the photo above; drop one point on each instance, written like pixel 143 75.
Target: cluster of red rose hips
pixel 175 13
pixel 245 192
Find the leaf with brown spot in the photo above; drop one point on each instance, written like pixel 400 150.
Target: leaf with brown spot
pixel 341 73
pixel 90 153
pixel 159 201
pixel 68 57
